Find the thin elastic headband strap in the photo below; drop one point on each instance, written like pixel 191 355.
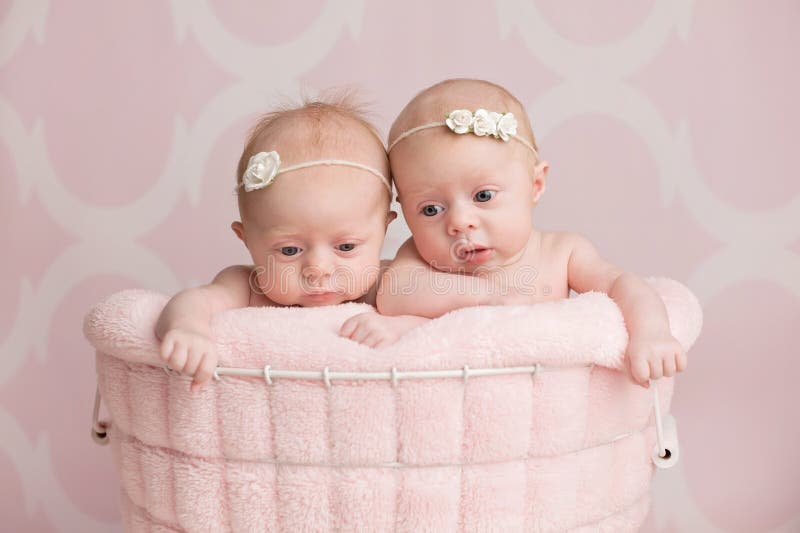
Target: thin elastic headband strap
pixel 341 163
pixel 412 131
pixel 332 162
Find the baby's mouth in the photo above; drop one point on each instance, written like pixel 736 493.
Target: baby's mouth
pixel 322 296
pixel 316 291
pixel 467 251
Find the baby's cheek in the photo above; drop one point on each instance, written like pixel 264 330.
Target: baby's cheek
pixel 356 278
pixel 430 248
pixel 515 230
pixel 280 284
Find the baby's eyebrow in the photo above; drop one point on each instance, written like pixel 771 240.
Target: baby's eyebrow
pixel 351 235
pixel 429 191
pixel 279 234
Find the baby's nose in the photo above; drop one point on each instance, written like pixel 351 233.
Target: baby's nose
pixel 461 220
pixel 318 266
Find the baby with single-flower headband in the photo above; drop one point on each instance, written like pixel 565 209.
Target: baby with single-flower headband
pixel 314 191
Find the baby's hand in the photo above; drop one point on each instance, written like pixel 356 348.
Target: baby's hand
pixel 190 353
pixel 376 330
pixel 654 356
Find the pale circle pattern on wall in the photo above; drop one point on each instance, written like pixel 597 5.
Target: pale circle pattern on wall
pixel 577 22
pixel 260 63
pixel 268 22
pixel 609 61
pixel 738 102
pixel 19 19
pixel 95 83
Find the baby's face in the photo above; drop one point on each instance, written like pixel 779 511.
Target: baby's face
pixel 466 199
pixel 315 235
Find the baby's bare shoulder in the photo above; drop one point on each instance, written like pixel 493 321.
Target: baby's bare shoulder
pixel 233 276
pixel 555 242
pixel 407 255
pixel 237 284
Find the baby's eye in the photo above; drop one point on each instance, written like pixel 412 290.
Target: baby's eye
pixel 346 247
pixel 484 195
pixel 290 250
pixel 431 210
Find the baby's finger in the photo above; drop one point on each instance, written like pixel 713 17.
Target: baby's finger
pixel 640 371
pixel 167 345
pixel 384 341
pixel 178 359
pixel 372 339
pixel 361 330
pixel 669 366
pixel 361 333
pixel 682 361
pixel 348 327
pixel 192 361
pixel 368 340
pixel 207 368
pixel 204 372
pixel 656 369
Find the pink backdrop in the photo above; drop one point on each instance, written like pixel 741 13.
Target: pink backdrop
pixel 670 128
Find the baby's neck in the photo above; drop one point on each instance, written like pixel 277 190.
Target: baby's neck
pixel 531 247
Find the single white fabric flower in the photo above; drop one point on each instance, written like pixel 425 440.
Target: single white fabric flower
pixel 459 120
pixel 506 126
pixel 483 124
pixel 261 170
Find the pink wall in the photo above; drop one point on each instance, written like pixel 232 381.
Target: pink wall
pixel 670 127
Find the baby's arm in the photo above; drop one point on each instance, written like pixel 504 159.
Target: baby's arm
pixel 377 331
pixel 184 325
pixel 652 350
pixel 410 293
pixel 411 287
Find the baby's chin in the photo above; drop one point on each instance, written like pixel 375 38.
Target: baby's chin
pixel 458 267
pixel 326 299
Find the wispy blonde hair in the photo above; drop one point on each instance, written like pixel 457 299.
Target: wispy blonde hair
pixel 327 116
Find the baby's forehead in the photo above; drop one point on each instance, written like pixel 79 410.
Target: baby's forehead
pixel 319 217
pixel 437 160
pixel 318 192
pixel 303 139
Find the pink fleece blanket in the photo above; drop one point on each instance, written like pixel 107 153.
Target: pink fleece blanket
pixel 566 449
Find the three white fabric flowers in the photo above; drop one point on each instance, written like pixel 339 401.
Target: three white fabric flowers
pixel 482 123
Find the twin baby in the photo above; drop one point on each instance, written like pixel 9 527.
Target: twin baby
pixel 314 189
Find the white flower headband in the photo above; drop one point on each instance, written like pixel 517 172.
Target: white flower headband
pixel 482 123
pixel 264 166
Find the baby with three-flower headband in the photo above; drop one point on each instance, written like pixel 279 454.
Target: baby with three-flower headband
pixel 468 175
pixel 314 192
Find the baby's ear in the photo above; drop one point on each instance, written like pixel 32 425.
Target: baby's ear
pixel 238 229
pixel 540 179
